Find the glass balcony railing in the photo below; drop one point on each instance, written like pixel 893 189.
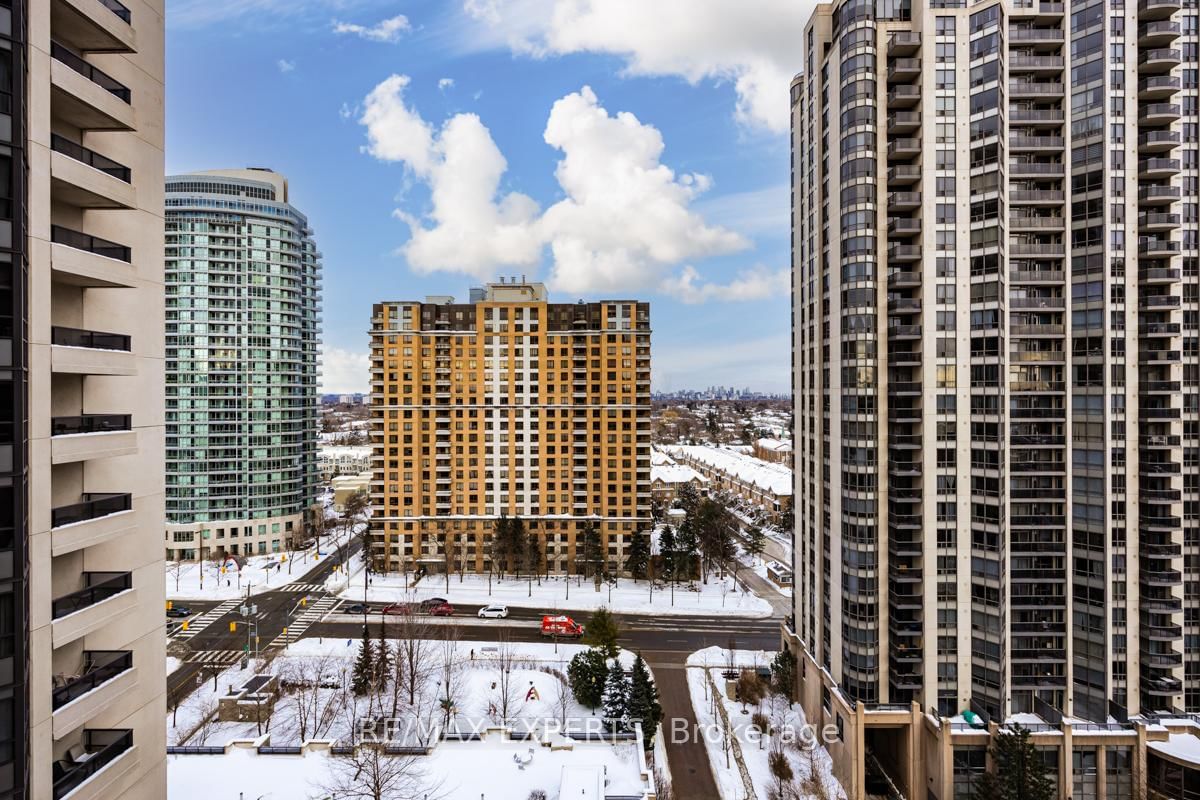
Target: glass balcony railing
pixel 117 8
pixel 93 506
pixel 100 587
pixel 99 667
pixel 101 79
pixel 91 244
pixel 99 748
pixel 61 144
pixel 90 423
pixel 97 340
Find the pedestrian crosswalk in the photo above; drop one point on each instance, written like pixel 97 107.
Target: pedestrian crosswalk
pixel 213 656
pixel 311 615
pixel 301 587
pixel 207 618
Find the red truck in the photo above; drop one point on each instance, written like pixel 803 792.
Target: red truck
pixel 561 626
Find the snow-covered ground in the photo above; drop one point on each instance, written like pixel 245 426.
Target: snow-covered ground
pixel 793 737
pixel 191 722
pixel 469 592
pixel 259 573
pixel 534 691
pixel 454 771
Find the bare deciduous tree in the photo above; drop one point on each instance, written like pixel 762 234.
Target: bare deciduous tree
pixel 313 684
pixel 415 659
pixel 370 774
pixel 507 696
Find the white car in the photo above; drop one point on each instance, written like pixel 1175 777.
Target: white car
pixel 493 612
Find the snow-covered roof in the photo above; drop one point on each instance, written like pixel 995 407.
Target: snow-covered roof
pixel 335 451
pixel 658 457
pixel 675 473
pixel 774 478
pixel 1184 747
pixel 775 445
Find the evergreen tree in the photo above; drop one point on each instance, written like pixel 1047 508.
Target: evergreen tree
pixel 684 560
pixel 616 698
pixel 360 679
pixel 666 551
pixel 1020 771
pixel 518 544
pixel 756 541
pixel 500 544
pixel 533 556
pixel 602 632
pixel 783 674
pixel 587 673
pixel 643 701
pixel 381 664
pixel 687 498
pixel 639 555
pixel 592 551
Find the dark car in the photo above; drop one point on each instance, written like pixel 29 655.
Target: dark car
pixel 358 608
pixel 179 612
pixel 433 602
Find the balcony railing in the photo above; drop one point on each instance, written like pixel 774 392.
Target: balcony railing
pixel 90 244
pixel 100 587
pixel 102 748
pixel 61 144
pixel 93 505
pixel 96 340
pixel 90 423
pixel 101 79
pixel 118 9
pixel 99 666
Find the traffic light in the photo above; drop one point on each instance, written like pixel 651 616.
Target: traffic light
pixel 233 627
pixel 184 626
pixel 169 604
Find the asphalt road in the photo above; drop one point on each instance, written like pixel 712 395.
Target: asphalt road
pixel 664 641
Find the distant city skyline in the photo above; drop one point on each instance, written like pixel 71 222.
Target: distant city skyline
pixel 393 104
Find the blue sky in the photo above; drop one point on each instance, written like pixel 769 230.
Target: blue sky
pixel 600 145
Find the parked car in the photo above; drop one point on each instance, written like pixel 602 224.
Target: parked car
pixel 493 612
pixel 440 610
pixel 178 612
pixel 396 609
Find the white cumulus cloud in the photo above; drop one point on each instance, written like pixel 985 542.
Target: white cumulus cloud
pixel 626 218
pixel 445 83
pixel 388 31
pixel 474 229
pixel 623 224
pixel 285 66
pixel 755 45
pixel 754 284
pixel 344 371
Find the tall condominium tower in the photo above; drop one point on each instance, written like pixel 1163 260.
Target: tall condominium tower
pixel 509 406
pixel 81 345
pixel 997 379
pixel 243 299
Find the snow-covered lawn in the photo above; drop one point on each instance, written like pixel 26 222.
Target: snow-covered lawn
pixel 224 581
pixel 790 732
pixel 469 592
pixel 190 723
pixel 454 770
pixel 516 682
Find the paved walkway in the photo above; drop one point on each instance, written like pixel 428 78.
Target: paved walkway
pixel 691 773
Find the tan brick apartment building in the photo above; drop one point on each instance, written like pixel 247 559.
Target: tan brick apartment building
pixel 508 405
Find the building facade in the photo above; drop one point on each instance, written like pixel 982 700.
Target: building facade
pixel 509 405
pixel 243 301
pixel 997 369
pixel 82 685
